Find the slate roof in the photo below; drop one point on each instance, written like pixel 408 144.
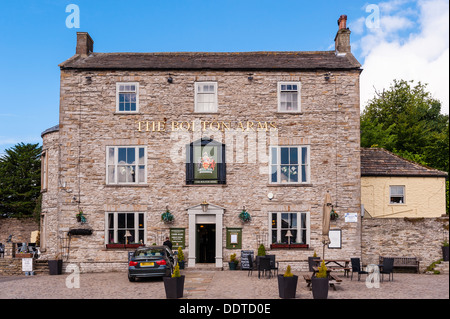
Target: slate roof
pixel 51 130
pixel 380 162
pixel 295 60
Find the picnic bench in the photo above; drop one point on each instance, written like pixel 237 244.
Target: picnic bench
pixel 403 262
pixel 333 281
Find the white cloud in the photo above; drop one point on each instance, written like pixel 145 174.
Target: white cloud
pixel 409 45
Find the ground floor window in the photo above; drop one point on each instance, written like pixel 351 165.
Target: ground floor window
pixel 125 227
pixel 285 223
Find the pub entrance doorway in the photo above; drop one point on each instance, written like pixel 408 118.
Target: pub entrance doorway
pixel 206 243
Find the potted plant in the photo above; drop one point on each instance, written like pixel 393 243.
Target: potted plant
pixel 80 217
pixel 244 216
pixel 445 250
pixel 312 261
pixel 55 265
pixel 261 253
pixel 320 283
pixel 287 284
pixel 333 214
pixel 174 285
pixel 167 217
pixel 180 258
pixel 233 262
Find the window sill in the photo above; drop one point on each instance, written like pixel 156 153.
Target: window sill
pixel 123 246
pixel 205 185
pixel 127 185
pixel 288 246
pixel 289 112
pixel 289 185
pixel 127 113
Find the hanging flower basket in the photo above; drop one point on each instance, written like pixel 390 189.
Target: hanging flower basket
pixel 333 215
pixel 80 217
pixel 167 217
pixel 245 216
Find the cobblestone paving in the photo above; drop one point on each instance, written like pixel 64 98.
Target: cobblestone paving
pixel 214 285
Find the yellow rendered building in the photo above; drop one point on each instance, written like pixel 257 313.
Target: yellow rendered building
pixel 393 187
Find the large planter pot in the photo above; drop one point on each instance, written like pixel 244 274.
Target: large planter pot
pixel 287 286
pixel 174 287
pixel 55 267
pixel 445 252
pixel 232 265
pixel 319 288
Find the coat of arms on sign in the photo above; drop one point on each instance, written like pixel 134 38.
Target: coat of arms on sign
pixel 206 164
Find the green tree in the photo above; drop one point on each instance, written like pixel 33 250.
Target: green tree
pixel 406 120
pixel 20 180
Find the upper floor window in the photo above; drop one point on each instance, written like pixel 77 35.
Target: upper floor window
pixel 126 165
pixel 127 97
pixel 289 164
pixel 397 194
pixel 205 163
pixel 288 96
pixel 206 97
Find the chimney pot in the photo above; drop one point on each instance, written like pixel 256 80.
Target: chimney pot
pixel 85 44
pixel 342 22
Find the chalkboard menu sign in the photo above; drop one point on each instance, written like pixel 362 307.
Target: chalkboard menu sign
pixel 245 265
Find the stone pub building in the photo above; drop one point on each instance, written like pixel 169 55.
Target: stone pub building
pixel 179 144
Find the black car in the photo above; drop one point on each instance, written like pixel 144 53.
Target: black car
pixel 153 261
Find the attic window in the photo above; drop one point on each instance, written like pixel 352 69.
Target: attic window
pixel 397 194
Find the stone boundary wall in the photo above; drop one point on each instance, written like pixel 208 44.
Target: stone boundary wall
pixel 403 237
pixel 20 228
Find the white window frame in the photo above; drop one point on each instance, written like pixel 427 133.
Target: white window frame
pixel 116 229
pixel 117 165
pixel 280 91
pixel 196 99
pixel 402 202
pixel 118 91
pixel 298 228
pixel 300 164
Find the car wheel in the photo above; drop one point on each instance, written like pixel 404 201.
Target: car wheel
pixel 131 278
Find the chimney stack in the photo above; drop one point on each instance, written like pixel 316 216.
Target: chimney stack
pixel 85 44
pixel 342 39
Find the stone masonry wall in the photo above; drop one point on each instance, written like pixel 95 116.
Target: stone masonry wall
pixel 328 123
pixel 404 237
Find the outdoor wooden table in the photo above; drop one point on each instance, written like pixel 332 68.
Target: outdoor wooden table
pixel 338 264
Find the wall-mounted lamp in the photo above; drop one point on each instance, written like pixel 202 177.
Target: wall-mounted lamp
pixel 204 206
pixel 88 80
pixel 327 76
pixel 170 79
pixel 250 77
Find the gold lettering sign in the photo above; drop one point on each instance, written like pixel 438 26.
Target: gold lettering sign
pixel 174 126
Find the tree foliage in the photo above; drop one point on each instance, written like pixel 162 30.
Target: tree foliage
pixel 20 180
pixel 406 120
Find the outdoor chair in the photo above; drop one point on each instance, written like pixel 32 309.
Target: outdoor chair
pixel 263 266
pixel 356 267
pixel 273 263
pixel 251 264
pixel 387 268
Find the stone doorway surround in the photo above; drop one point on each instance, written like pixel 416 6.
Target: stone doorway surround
pixel 214 215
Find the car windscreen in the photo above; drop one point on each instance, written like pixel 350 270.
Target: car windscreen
pixel 151 252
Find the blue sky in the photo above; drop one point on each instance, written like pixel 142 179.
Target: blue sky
pixel 393 39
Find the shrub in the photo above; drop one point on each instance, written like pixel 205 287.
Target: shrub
pixel 322 270
pixel 288 272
